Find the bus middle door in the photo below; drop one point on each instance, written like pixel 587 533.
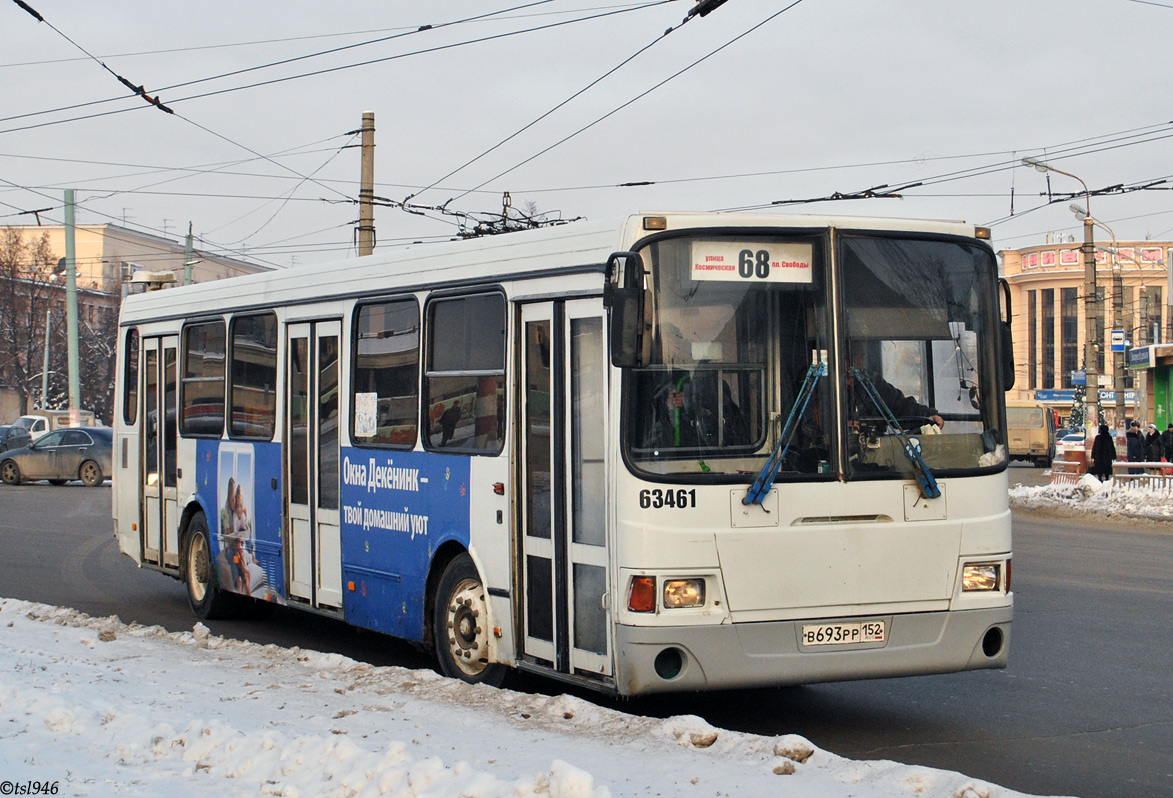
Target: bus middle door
pixel 565 555
pixel 313 541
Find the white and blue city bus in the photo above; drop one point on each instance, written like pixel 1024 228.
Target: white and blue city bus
pixel 677 451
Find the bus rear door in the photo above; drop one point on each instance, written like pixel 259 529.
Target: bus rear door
pixel 157 431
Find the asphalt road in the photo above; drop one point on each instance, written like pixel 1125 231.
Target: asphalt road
pixel 1085 708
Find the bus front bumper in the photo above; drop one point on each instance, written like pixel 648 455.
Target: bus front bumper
pixel 761 654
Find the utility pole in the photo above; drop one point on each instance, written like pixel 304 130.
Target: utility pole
pixel 71 312
pixel 366 191
pixel 45 361
pixel 187 264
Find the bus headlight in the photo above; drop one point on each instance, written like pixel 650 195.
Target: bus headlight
pixel 684 593
pixel 977 577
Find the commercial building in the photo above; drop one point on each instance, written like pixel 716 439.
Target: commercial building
pixel 1131 314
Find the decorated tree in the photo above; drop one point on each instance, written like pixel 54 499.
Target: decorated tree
pixel 1078 411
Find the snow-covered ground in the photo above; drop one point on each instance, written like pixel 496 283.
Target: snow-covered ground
pixel 95 707
pixel 1091 497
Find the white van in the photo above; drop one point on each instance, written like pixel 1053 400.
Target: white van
pixel 38 422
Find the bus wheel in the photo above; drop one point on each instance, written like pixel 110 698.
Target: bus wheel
pixel 204 596
pixel 10 472
pixel 459 625
pixel 91 474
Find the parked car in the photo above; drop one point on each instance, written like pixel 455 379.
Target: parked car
pixel 13 437
pixel 61 455
pixel 1072 437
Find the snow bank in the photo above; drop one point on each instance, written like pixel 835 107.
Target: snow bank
pixel 1092 497
pixel 100 708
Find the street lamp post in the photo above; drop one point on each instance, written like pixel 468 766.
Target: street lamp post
pixel 1117 312
pixel 1092 397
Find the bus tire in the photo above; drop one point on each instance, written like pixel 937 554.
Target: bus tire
pixel 208 602
pixel 91 474
pixel 459 625
pixel 10 472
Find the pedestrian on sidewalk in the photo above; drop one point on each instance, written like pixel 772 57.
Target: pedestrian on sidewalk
pixel 1135 446
pixel 1103 454
pixel 1167 444
pixel 1153 450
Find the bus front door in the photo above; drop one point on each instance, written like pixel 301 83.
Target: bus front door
pixel 312 534
pixel 157 432
pixel 564 558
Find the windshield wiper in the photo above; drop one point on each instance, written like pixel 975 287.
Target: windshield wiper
pixel 911 446
pixel 764 481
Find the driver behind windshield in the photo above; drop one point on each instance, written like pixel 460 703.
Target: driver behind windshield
pixel 906 409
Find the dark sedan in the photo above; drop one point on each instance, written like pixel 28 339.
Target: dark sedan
pixel 79 453
pixel 13 437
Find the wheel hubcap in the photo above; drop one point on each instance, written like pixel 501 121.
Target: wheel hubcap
pixel 467 639
pixel 197 568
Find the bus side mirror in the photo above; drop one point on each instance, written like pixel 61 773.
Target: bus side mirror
pixel 1005 337
pixel 623 296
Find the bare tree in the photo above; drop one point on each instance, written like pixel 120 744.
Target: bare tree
pixel 30 286
pixel 27 291
pixel 98 349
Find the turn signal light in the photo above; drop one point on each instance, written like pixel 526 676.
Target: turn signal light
pixel 642 597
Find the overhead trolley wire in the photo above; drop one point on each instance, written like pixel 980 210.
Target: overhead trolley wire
pixel 565 102
pixel 314 73
pixel 635 99
pixel 1078 148
pixel 246 69
pixel 143 227
pixel 287 39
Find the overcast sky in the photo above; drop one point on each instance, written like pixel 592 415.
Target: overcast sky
pixel 814 98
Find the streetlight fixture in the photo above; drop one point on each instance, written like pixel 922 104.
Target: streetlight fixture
pixel 1092 397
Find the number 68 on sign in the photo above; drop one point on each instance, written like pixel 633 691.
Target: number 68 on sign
pixel 751 262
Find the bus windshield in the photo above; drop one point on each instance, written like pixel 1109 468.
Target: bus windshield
pixel 737 323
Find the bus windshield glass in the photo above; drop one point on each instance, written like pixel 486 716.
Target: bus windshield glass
pixel 737 323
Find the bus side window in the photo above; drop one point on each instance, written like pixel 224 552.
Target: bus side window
pixel 385 384
pixel 252 384
pixel 201 383
pixel 130 379
pixel 464 382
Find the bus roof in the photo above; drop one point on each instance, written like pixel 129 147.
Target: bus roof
pixel 417 266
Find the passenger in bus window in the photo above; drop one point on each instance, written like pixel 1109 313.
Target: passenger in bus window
pixel 448 421
pixel 681 416
pixel 736 426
